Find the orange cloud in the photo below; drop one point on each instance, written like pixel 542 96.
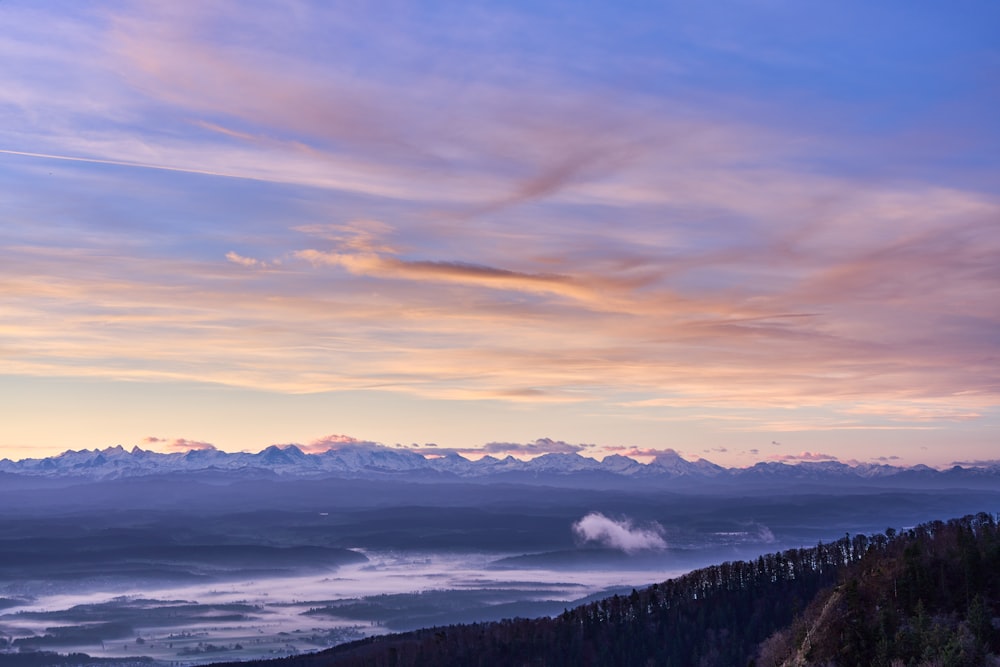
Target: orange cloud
pixel 452 272
pixel 249 262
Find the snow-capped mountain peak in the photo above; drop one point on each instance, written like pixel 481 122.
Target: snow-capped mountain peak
pixel 370 460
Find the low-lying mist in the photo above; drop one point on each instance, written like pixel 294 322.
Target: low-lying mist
pixel 239 618
pixel 620 534
pixel 295 569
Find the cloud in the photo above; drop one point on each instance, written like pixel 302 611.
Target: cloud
pixel 551 179
pixel 517 450
pixel 248 262
pixel 621 535
pixel 542 242
pixel 910 411
pixel 536 448
pixel 486 147
pixel 380 266
pixel 362 236
pixel 762 532
pixel 978 463
pixel 803 456
pixel 178 444
pixel 336 441
pixel 634 452
pixel 765 534
pixel 433 451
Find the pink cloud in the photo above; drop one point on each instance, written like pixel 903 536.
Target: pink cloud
pixel 178 444
pixel 803 456
pixel 641 454
pixel 631 450
pixel 334 441
pixel 382 264
pixel 248 262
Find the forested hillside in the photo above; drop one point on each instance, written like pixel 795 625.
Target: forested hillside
pixel 926 596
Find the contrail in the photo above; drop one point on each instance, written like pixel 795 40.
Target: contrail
pixel 125 163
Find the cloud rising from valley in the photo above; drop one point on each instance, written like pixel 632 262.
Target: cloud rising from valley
pixel 622 535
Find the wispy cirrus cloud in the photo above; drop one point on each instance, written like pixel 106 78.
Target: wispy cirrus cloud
pixel 917 412
pixel 473 228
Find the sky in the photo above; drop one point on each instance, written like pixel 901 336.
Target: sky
pixel 743 230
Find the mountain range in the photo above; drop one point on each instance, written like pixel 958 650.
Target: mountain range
pixel 372 461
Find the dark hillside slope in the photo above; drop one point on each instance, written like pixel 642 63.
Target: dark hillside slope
pixel 921 595
pixel 928 596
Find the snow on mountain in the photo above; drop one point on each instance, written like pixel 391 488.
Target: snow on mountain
pixel 561 463
pixel 621 465
pixel 362 460
pixel 670 463
pixel 357 458
pixel 289 455
pixel 456 464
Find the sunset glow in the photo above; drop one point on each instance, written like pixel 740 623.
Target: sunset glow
pixel 744 232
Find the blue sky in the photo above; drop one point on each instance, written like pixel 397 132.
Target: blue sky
pixel 742 230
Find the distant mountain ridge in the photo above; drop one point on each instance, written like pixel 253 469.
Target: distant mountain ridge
pixel 371 461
